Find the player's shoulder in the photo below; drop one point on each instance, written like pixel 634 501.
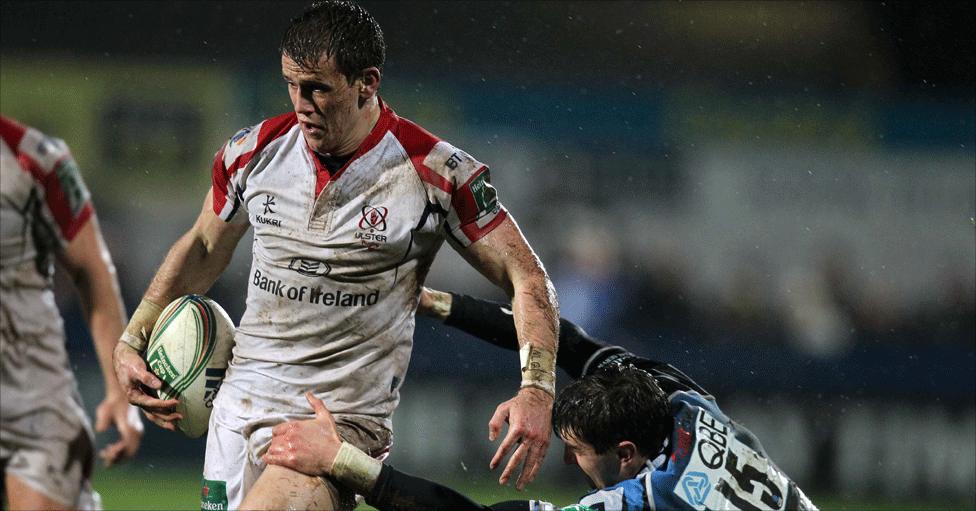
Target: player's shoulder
pixel 11 132
pixel 42 151
pixel 690 407
pixel 629 494
pixel 251 139
pixel 415 139
pixel 435 152
pixel 438 161
pixel 692 399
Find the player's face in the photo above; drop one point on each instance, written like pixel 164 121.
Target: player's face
pixel 601 470
pixel 328 107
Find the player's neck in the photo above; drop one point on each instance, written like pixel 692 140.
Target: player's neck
pixel 368 116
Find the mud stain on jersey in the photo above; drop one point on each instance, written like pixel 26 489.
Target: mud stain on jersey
pixel 417 278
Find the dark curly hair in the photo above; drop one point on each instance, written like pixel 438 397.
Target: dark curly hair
pixel 339 29
pixel 615 404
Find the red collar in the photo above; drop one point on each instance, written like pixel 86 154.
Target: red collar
pixel 386 121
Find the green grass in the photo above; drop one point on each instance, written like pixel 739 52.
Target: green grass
pixel 134 487
pixel 164 488
pixel 131 487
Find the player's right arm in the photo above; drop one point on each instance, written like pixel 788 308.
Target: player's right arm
pixel 191 267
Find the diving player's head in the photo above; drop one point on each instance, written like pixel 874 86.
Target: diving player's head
pixel 332 59
pixel 612 422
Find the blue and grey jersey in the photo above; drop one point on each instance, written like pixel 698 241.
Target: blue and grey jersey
pixel 711 462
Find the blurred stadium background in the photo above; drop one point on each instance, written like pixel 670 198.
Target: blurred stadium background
pixel 776 197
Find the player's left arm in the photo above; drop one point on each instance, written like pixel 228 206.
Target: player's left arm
pixel 505 258
pixel 89 264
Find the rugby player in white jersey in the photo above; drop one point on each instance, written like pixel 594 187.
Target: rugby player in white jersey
pixel 349 204
pixel 46 442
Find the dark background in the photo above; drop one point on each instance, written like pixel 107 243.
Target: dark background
pixel 776 197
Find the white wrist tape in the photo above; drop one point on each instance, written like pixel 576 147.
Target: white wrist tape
pixel 440 304
pixel 356 469
pixel 538 368
pixel 137 343
pixel 140 325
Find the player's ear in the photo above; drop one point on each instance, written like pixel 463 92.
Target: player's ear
pixel 626 450
pixel 629 458
pixel 369 82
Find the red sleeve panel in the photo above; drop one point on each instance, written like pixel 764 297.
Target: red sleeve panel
pixel 456 181
pixel 477 207
pixel 235 156
pixel 50 164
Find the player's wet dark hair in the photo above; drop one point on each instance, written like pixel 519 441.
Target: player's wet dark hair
pixel 339 29
pixel 615 404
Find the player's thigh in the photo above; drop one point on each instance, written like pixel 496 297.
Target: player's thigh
pixel 226 469
pixel 21 496
pixel 283 488
pixel 48 459
pixel 369 436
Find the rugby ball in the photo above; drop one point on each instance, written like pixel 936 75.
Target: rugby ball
pixel 189 349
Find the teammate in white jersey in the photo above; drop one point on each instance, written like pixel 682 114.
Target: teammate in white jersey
pixel 349 204
pixel 46 442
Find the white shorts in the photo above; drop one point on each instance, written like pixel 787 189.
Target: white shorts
pixel 233 460
pixel 52 455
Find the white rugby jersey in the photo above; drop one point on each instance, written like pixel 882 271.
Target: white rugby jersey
pixel 44 205
pixel 338 261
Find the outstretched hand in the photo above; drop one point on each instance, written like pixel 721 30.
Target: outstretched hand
pixel 529 418
pixel 114 410
pixel 306 446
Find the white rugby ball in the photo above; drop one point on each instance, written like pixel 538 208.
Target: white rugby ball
pixel 189 350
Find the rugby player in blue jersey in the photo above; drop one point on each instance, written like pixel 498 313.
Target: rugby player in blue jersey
pixel 644 434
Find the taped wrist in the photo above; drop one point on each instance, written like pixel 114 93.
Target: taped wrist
pixel 441 309
pixel 356 469
pixel 538 368
pixel 140 325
